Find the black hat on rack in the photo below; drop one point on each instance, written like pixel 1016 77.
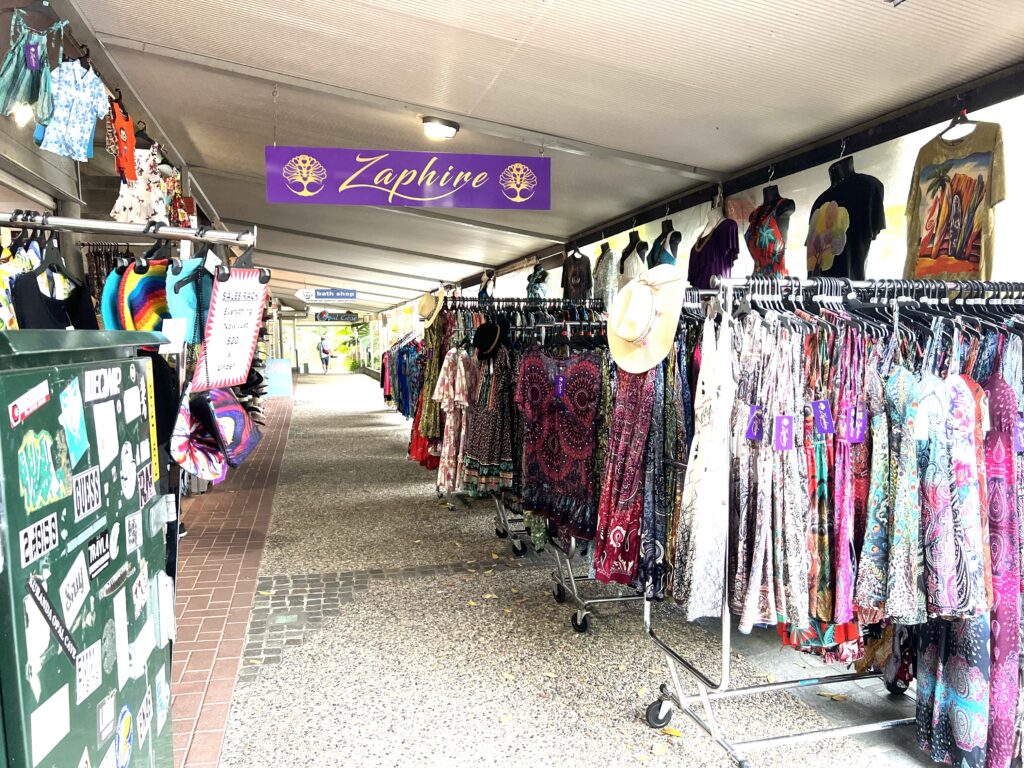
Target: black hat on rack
pixel 486 340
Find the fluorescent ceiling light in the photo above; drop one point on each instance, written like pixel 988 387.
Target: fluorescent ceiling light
pixel 436 129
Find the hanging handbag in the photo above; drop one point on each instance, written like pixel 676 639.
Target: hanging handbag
pixel 188 296
pixel 229 423
pixel 194 448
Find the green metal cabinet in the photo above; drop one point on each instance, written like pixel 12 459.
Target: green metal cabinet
pixel 85 613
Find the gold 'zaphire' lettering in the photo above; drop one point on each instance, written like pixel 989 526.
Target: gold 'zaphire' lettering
pixel 392 181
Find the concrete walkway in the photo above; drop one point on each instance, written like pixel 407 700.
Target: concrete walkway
pixel 388 630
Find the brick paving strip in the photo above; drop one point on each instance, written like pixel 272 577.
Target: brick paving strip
pixel 218 564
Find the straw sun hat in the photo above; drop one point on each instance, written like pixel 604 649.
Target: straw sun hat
pixel 643 318
pixel 429 306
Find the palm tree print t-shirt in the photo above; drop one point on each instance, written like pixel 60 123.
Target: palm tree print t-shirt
pixel 950 227
pixel 844 220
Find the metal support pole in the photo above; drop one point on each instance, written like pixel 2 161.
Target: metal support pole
pixel 117 229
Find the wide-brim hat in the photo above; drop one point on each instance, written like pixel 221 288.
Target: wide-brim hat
pixel 643 318
pixel 487 339
pixel 430 306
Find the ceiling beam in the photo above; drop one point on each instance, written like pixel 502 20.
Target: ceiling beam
pixel 430 282
pixel 324 281
pixel 85 34
pixel 546 141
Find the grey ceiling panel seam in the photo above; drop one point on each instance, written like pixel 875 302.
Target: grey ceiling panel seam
pixel 360 267
pixel 544 141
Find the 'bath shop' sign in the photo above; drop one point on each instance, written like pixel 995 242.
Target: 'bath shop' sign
pixel 335 176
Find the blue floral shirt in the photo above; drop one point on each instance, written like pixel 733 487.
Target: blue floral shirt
pixel 79 100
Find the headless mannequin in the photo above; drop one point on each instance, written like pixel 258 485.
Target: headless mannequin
pixel 840 171
pixel 634 241
pixel 668 231
pixel 783 208
pixel 715 217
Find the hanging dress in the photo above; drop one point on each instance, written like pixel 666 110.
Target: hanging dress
pixel 765 240
pixel 25 75
pixel 632 267
pixel 606 278
pixel 703 531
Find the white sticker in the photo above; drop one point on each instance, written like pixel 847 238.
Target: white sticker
pixel 144 718
pixel 128 472
pixel 140 589
pixel 147 488
pixel 104 418
pixel 73 590
pixel 29 403
pixel 51 722
pixel 141 649
pixel 39 538
pixel 132 532
pixel 98 553
pixel 109 759
pixel 145 452
pixel 102 384
pixel 132 404
pixel 37 641
pixel 84 761
pixel 106 712
pixel 175 329
pixel 86 486
pixel 165 593
pixel 163 699
pixel 115 541
pixel 88 671
pixel 121 637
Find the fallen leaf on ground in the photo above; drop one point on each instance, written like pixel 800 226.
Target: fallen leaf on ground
pixel 508 675
pixel 470 562
pixel 552 675
pixel 505 719
pixel 457 544
pixel 672 732
pixel 642 692
pixel 839 697
pixel 547 592
pixel 507 611
pixel 495 556
pixel 642 758
pixel 622 667
pixel 655 670
pixel 418 541
pixel 488 571
pixel 490 596
pixel 661 748
pixel 471 603
pixel 266 594
pixel 514 590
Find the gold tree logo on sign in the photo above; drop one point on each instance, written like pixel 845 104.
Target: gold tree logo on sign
pixel 305 175
pixel 518 182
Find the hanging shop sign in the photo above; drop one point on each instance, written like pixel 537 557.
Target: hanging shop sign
pixel 335 176
pixel 232 328
pixel 336 317
pixel 325 295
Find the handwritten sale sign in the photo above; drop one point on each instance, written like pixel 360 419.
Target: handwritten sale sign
pixel 232 328
pixel 335 176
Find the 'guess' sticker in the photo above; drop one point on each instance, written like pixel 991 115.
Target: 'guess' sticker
pixel 755 423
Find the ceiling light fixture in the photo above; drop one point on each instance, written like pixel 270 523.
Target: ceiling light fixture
pixel 436 129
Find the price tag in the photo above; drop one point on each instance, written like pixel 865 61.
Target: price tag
pixel 784 433
pixel 755 423
pixel 856 424
pixel 32 56
pixel 823 422
pixel 559 386
pixel 1018 436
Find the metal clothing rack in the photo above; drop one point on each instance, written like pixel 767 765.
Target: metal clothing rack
pixel 699 707
pixel 567 584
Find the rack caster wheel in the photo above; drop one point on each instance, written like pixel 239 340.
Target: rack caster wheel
pixel 580 625
pixel 896 687
pixel 518 548
pixel 559 593
pixel 658 714
pixel 501 533
pixel 666 692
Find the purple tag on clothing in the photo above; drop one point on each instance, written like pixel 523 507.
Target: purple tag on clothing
pixel 32 56
pixel 559 387
pixel 856 425
pixel 823 423
pixel 755 423
pixel 783 433
pixel 1018 435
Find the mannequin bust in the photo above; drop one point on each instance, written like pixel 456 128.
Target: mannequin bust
pixel 784 208
pixel 715 216
pixel 634 241
pixel 840 171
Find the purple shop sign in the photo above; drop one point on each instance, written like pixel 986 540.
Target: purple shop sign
pixel 334 176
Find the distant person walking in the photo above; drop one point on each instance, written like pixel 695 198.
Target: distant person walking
pixel 325 352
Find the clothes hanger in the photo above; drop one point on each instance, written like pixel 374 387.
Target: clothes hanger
pixel 52 259
pixel 960 118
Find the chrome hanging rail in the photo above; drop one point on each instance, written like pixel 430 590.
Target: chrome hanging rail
pixel 154 229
